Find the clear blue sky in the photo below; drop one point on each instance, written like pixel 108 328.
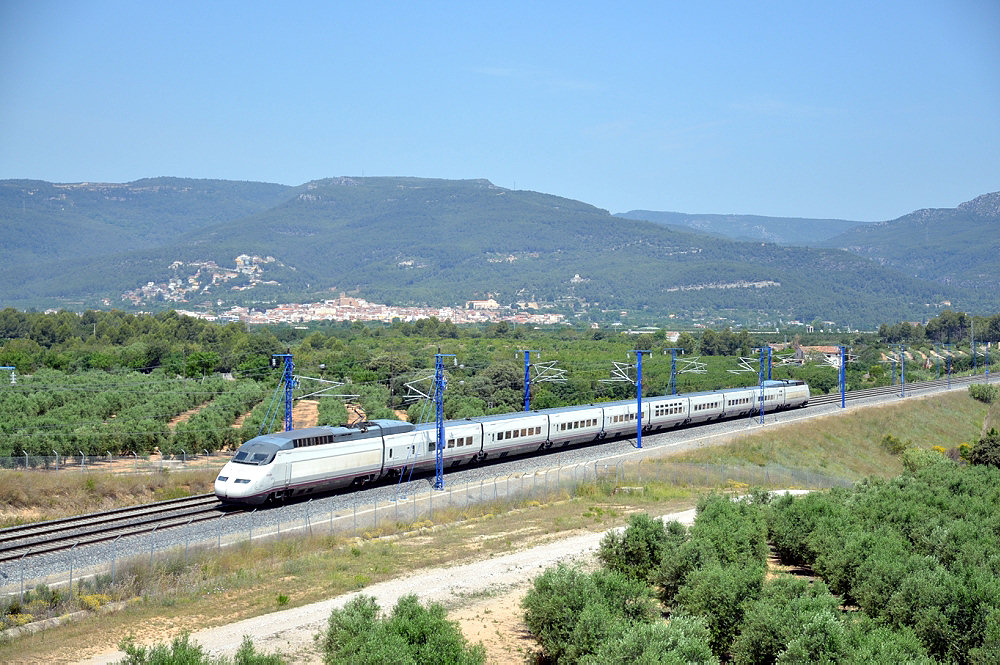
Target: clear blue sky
pixel 859 110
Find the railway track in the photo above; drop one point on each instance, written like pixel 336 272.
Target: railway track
pixel 28 540
pixel 832 398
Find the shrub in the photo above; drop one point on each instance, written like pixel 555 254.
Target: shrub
pixel 777 616
pixel 684 639
pixel 719 594
pixel 987 450
pixel 411 634
pixel 637 550
pixel 182 651
pixel 983 392
pixel 919 458
pixel 894 445
pixel 560 612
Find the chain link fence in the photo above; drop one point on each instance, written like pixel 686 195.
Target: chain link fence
pixel 107 462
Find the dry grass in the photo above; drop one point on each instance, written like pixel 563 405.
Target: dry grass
pixel 246 580
pixel 849 445
pixel 29 496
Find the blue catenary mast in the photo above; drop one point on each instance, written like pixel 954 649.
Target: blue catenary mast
pixel 673 368
pixel 527 379
pixel 843 377
pixel 288 379
pixel 439 385
pixel 638 391
pixel 765 374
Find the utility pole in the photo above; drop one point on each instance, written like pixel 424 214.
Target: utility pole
pixel 527 379
pixel 638 384
pixel 843 377
pixel 902 368
pixel 948 349
pixel 975 360
pixel 289 380
pixel 765 374
pixel 439 386
pixel 673 368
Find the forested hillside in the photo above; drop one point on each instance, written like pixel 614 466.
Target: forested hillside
pixel 954 246
pixel 798 231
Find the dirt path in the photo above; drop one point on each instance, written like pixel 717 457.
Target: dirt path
pixel 186 416
pixel 305 413
pixel 484 597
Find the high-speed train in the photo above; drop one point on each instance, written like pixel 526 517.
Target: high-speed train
pixel 317 459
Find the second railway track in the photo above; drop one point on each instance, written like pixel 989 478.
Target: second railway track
pixel 44 537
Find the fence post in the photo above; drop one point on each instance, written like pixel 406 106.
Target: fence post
pixel 114 553
pixel 152 538
pixel 72 560
pixel 20 565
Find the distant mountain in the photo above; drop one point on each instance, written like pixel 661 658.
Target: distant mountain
pixel 442 242
pixel 798 231
pixel 43 221
pixel 952 246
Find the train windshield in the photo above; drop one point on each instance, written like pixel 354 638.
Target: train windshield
pixel 255 453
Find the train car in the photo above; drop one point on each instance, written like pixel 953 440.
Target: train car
pixel 740 402
pixel 575 424
pixel 706 406
pixel 514 433
pixel 665 412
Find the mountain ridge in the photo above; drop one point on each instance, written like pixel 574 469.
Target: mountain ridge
pixel 435 241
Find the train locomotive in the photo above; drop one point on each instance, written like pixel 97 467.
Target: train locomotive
pixel 282 465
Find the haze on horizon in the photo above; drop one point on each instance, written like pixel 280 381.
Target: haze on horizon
pixel 843 110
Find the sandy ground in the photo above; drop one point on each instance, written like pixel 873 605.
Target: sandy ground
pixel 484 597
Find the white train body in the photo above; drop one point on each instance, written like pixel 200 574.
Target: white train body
pixel 317 459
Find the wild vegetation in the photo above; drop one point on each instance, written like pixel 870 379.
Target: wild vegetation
pixel 907 571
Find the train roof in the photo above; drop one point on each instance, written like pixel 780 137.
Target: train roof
pixel 364 430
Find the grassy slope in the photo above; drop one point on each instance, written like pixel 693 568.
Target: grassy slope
pixel 36 495
pixel 849 445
